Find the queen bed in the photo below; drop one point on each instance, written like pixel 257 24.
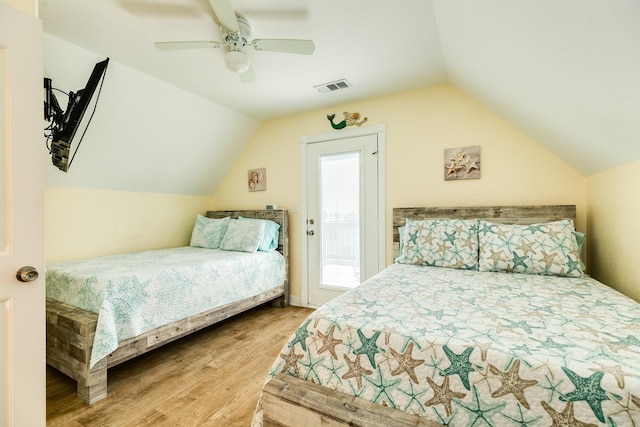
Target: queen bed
pixel 104 311
pixel 504 331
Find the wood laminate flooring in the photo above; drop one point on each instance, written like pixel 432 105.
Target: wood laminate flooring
pixel 210 378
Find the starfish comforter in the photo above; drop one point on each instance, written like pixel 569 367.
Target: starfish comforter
pixel 467 348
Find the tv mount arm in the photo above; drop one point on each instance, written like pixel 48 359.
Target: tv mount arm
pixel 64 124
pixel 52 110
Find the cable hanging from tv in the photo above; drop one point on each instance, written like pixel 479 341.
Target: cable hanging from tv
pixel 63 125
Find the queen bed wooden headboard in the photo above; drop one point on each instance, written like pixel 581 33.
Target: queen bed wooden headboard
pixel 501 214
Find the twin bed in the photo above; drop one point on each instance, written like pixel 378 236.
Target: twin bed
pixel 475 323
pixel 104 311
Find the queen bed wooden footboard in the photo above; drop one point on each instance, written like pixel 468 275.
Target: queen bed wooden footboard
pixel 71 330
pixel 485 345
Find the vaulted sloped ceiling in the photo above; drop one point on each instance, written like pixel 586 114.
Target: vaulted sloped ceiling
pixel 565 72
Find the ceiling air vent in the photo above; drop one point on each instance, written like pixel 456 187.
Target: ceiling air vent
pixel 333 86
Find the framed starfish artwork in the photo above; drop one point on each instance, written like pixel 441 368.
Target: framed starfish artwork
pixel 462 163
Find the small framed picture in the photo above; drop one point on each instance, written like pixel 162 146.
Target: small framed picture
pixel 257 179
pixel 462 163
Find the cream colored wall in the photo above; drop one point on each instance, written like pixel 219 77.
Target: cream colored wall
pixel 28 6
pixel 614 229
pixel 420 125
pixel 83 223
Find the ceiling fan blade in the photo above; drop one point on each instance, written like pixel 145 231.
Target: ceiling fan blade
pixel 187 45
pixel 225 14
pixel 303 47
pixel 248 76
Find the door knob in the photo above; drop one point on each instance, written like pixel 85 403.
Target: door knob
pixel 311 232
pixel 27 274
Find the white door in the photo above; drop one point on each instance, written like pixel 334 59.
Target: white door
pixel 22 304
pixel 343 209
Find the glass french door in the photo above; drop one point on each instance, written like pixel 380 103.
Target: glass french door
pixel 342 215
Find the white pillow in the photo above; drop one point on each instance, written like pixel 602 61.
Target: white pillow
pixel 270 235
pixel 242 236
pixel 208 232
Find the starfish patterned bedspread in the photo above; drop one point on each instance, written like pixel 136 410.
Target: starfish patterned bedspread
pixel 469 348
pixel 134 293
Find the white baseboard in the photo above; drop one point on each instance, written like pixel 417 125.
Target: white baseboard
pixel 295 300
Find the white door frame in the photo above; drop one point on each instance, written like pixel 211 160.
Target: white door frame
pixel 380 131
pixel 22 297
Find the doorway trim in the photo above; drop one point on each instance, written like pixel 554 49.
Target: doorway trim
pixel 380 131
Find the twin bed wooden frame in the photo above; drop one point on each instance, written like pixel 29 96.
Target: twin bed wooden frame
pixel 290 401
pixel 70 330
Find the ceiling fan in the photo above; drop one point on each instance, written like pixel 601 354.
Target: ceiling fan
pixel 235 32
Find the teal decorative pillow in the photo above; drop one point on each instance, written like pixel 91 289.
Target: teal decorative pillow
pixel 449 243
pixel 270 235
pixel 549 248
pixel 402 237
pixel 242 236
pixel 580 238
pixel 208 232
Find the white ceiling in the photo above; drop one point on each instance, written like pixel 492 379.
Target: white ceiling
pixel 565 72
pixel 351 42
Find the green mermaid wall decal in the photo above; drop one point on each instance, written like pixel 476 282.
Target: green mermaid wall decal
pixel 350 119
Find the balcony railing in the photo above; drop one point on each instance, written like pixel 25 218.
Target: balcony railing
pixel 341 253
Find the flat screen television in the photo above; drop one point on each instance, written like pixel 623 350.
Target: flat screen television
pixel 64 124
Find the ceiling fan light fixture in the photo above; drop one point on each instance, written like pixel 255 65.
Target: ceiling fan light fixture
pixel 237 61
pixel 235 32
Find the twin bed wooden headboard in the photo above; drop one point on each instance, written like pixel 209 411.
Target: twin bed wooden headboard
pixel 279 216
